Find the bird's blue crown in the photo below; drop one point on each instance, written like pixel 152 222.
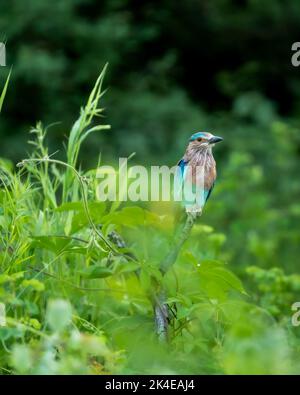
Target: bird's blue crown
pixel 197 135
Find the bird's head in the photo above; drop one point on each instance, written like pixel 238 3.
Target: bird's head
pixel 203 141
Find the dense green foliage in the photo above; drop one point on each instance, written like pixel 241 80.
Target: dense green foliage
pixel 74 302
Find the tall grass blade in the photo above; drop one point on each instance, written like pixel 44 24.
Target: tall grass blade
pixel 3 94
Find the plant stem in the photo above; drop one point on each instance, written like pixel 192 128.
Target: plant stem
pixel 170 259
pixel 161 315
pixel 160 307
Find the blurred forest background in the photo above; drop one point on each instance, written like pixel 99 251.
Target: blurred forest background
pixel 176 68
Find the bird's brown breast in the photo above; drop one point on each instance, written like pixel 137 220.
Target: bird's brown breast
pixel 202 169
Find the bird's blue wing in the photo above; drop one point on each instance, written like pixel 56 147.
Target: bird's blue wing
pixel 181 164
pixel 179 179
pixel 207 192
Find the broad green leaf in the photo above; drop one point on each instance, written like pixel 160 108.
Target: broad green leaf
pixel 126 267
pixel 214 276
pixel 217 274
pixel 96 272
pixel 51 243
pixel 131 217
pixel 96 209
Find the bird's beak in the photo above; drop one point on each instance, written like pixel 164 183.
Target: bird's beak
pixel 215 139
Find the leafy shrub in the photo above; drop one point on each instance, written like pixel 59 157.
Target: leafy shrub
pixel 76 302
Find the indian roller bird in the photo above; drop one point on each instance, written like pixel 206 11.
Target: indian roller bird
pixel 194 181
pixel 196 172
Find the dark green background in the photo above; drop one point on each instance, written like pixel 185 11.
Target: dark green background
pixel 171 64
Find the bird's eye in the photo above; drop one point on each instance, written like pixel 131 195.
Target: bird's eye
pixel 199 139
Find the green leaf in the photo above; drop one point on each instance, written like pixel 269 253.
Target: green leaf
pixel 126 267
pixel 5 278
pixel 131 217
pixel 8 333
pixel 145 279
pixel 96 272
pixel 96 208
pixel 70 206
pixel 80 219
pixel 51 243
pixel 215 278
pixel 34 283
pixel 214 272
